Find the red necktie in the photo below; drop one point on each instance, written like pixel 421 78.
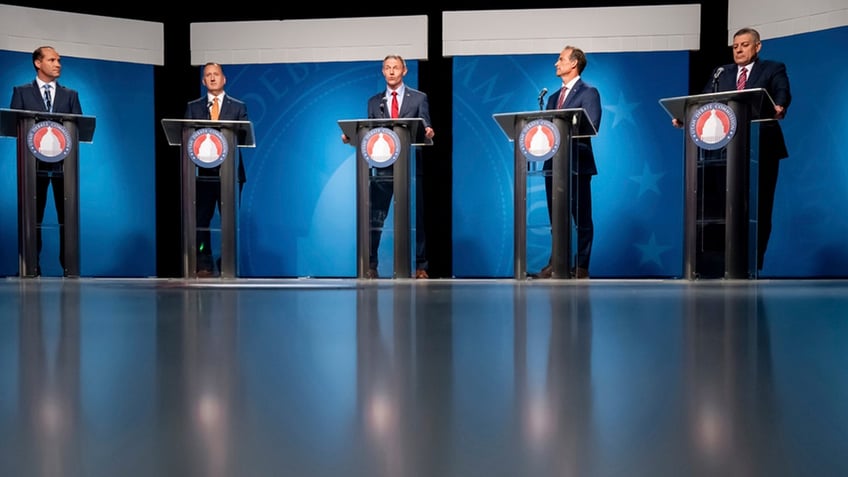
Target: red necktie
pixel 743 78
pixel 394 104
pixel 561 99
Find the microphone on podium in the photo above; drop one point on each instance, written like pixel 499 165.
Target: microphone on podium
pixel 542 98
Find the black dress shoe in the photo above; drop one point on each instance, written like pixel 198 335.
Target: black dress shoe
pixel 580 272
pixel 546 272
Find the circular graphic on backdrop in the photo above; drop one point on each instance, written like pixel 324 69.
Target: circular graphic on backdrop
pixel 49 141
pixel 207 148
pixel 539 140
pixel 712 126
pixel 380 147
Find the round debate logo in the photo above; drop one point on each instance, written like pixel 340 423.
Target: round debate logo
pixel 539 140
pixel 49 141
pixel 712 126
pixel 208 148
pixel 380 147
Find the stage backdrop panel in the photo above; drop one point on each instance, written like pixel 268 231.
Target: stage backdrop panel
pixel 298 208
pixel 117 173
pixel 810 224
pixel 637 194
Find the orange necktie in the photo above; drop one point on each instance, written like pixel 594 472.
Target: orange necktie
pixel 213 113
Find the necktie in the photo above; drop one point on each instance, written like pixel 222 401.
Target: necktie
pixel 394 104
pixel 213 113
pixel 561 99
pixel 47 103
pixel 743 78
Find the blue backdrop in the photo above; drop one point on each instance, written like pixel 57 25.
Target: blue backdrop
pixel 638 192
pixel 117 170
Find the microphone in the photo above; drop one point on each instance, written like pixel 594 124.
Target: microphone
pixel 542 98
pixel 717 73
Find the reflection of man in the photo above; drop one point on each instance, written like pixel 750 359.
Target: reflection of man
pixel 749 71
pixel 46 94
pixel 396 101
pixel 215 105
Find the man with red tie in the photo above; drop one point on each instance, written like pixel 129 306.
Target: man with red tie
pixel 396 101
pixel 575 93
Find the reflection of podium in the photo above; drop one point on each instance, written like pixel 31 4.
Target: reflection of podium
pixel 19 123
pixel 237 134
pixel 571 123
pixel 411 133
pixel 738 171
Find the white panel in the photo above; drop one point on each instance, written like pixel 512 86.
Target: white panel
pixel 82 36
pixel 498 32
pixel 779 18
pixel 306 41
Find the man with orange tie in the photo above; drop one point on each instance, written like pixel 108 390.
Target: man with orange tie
pixel 214 105
pixel 396 101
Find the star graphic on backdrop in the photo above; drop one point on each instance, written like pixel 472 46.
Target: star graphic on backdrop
pixel 651 251
pixel 622 110
pixel 647 180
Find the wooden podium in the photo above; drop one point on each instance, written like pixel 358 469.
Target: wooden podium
pixel 739 218
pixel 571 123
pixel 410 131
pixel 23 125
pixel 236 134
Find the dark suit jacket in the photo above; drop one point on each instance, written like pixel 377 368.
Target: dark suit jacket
pixel 582 95
pixel 231 110
pixel 414 104
pixel 770 75
pixel 29 97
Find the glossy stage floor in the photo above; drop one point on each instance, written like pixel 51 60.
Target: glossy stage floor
pixel 439 378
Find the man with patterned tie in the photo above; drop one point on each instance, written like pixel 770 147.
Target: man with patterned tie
pixel 214 105
pixel 397 101
pixel 46 94
pixel 750 71
pixel 575 93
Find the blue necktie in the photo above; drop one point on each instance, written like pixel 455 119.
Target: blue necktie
pixel 47 103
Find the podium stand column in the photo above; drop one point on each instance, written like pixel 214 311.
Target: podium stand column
pixel 71 228
pixel 27 223
pixel 561 220
pixel 229 206
pixel 188 199
pixel 519 251
pixel 737 210
pixel 400 185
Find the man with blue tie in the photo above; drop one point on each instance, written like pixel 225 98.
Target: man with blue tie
pixel 214 105
pixel 575 93
pixel 46 94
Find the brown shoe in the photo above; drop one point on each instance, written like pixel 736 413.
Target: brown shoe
pixel 204 273
pixel 580 272
pixel 372 273
pixel 421 273
pixel 546 272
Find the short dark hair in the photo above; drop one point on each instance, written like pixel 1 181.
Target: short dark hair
pixel 39 54
pixel 577 54
pixel 748 31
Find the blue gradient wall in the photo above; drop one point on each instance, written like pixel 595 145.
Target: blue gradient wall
pixel 117 170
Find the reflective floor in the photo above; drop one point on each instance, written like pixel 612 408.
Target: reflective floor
pixel 443 378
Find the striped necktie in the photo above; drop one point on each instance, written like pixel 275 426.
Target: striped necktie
pixel 743 78
pixel 48 104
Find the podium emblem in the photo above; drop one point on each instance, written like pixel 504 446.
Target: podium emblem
pixel 539 140
pixel 49 141
pixel 208 148
pixel 380 147
pixel 713 126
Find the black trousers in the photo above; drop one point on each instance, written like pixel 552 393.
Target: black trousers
pixel 381 190
pixel 46 175
pixel 581 212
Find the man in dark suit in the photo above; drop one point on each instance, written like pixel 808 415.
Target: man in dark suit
pixel 208 192
pixel 410 103
pixel 575 93
pixel 33 97
pixel 758 73
pixel 772 76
